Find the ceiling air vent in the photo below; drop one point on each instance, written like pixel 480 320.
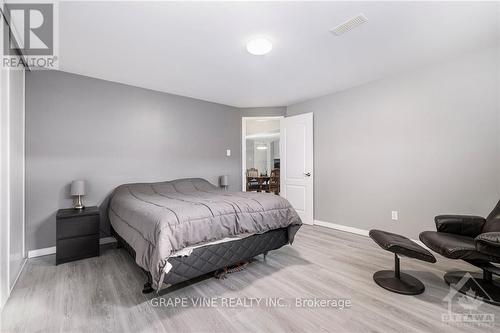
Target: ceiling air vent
pixel 350 24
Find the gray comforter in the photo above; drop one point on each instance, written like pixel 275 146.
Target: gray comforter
pixel 158 219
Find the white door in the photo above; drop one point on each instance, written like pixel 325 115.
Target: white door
pixel 297 167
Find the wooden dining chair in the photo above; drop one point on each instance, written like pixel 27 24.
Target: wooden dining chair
pixel 252 182
pixel 252 172
pixel 274 181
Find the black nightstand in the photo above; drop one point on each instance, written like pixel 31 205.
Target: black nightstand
pixel 77 233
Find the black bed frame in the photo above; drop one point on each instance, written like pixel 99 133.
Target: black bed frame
pixel 213 257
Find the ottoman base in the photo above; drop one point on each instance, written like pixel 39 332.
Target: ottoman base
pixel 395 280
pixel 405 284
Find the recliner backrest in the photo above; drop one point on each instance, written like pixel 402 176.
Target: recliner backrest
pixel 493 220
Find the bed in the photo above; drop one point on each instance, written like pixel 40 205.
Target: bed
pixel 181 229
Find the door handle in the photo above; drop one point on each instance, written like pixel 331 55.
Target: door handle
pixel 307 174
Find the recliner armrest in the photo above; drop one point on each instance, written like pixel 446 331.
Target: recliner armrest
pixel 488 243
pixel 460 224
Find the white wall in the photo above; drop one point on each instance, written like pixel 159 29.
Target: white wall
pixel 423 143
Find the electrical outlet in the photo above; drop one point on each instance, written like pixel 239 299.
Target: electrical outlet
pixel 395 214
pixel 228 152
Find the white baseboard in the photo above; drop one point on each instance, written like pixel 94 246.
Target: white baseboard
pixel 341 227
pixel 52 250
pixel 356 231
pixel 107 240
pixel 42 252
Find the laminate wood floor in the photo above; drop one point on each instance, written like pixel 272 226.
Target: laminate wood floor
pixel 104 294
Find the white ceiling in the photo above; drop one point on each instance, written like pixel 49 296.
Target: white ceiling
pixel 198 49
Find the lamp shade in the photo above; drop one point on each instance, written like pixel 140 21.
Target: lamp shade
pixel 224 180
pixel 78 187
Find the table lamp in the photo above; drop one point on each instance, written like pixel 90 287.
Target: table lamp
pixel 224 182
pixel 78 190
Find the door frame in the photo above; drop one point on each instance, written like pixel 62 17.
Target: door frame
pixel 243 146
pixel 4 186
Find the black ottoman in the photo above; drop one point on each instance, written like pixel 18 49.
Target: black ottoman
pixel 396 281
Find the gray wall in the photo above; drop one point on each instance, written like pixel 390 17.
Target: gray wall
pixel 263 112
pixel 109 134
pixel 423 143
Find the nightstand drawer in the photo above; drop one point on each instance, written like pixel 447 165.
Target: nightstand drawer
pixel 77 226
pixel 77 248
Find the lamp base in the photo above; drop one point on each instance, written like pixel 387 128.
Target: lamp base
pixel 79 205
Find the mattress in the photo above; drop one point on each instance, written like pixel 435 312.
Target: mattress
pixel 160 219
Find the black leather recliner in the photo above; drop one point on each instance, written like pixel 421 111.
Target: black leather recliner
pixel 475 240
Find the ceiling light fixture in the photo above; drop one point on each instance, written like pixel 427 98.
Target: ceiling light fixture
pixel 259 46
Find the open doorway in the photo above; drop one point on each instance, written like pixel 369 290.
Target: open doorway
pixel 261 154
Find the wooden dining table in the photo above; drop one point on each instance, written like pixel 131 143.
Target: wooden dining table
pixel 262 180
